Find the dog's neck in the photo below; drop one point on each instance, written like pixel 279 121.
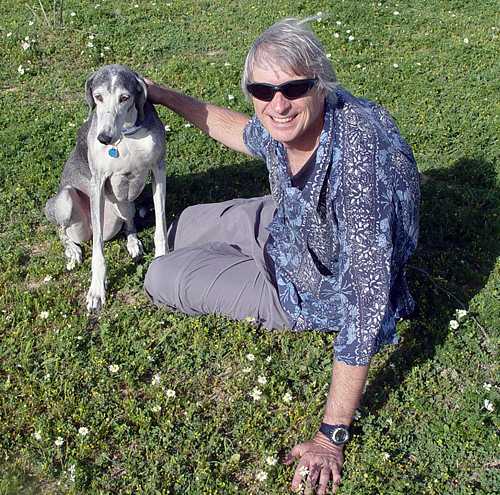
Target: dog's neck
pixel 130 120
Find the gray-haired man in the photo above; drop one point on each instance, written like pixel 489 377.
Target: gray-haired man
pixel 327 249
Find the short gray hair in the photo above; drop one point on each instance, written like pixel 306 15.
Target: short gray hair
pixel 291 44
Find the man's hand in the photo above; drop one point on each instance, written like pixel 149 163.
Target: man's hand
pixel 156 93
pixel 319 462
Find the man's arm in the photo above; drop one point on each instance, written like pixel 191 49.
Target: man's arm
pixel 320 458
pixel 222 124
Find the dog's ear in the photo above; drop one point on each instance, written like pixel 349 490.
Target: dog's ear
pixel 142 94
pixel 88 93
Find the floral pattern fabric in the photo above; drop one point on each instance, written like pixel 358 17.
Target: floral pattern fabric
pixel 340 245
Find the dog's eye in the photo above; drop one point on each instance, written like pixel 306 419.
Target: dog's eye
pixel 124 98
pixel 98 97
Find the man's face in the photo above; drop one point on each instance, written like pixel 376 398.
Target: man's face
pixel 295 123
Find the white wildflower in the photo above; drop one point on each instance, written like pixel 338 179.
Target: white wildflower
pixel 262 379
pixel 156 379
pixel 246 370
pixel 187 125
pixel 261 476
pixel 83 431
pixel 25 45
pixel 37 435
pixel 107 48
pixel 454 324
pixel 271 460
pixel 43 315
pixel 488 405
pixel 113 368
pixel 72 14
pixel 461 313
pixel 90 44
pixel 250 357
pixel 351 38
pixel 395 66
pixel 466 41
pixel 328 55
pixel 47 279
pixel 288 397
pixel 170 393
pixel 339 23
pixel 303 471
pixel 59 441
pixel 20 69
pixel 8 35
pixel 167 128
pixel 386 455
pixel 91 36
pixel 336 35
pixel 348 31
pixel 256 394
pixel 487 386
pixel 395 12
pixel 357 414
pixel 230 97
pixel 226 64
pixel 269 359
pixel 156 408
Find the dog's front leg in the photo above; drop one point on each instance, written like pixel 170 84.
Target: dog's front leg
pixel 96 295
pixel 159 194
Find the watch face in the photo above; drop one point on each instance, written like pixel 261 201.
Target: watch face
pixel 340 435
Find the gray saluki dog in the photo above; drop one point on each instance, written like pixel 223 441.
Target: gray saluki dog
pixel 117 146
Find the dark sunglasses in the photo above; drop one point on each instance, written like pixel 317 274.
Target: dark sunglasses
pixel 291 90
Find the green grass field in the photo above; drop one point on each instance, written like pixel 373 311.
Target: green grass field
pixel 139 400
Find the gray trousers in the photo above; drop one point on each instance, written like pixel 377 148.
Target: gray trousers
pixel 217 263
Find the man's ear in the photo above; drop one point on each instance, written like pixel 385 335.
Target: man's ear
pixel 88 93
pixel 140 100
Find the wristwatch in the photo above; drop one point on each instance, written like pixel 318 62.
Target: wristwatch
pixel 337 434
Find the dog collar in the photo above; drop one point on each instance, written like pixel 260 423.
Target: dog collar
pixel 128 131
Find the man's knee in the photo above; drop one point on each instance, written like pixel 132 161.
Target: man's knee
pixel 157 280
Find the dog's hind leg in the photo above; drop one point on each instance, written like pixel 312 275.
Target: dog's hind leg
pixel 70 210
pixel 126 211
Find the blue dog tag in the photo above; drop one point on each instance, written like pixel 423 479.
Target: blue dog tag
pixel 113 152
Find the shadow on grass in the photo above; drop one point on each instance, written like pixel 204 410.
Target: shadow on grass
pixel 457 248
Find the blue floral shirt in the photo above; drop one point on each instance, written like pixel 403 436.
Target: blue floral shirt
pixel 340 245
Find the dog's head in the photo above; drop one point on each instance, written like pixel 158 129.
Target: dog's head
pixel 117 94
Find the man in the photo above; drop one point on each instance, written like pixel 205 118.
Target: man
pixel 327 250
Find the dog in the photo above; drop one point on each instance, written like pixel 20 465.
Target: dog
pixel 119 144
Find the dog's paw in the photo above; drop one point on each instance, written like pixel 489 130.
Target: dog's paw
pixel 73 253
pixel 134 246
pixel 96 297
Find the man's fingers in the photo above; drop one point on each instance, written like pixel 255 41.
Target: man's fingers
pixel 335 477
pixel 324 479
pixel 301 473
pixel 295 453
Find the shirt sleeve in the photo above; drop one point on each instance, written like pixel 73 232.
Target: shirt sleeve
pixel 256 138
pixel 364 210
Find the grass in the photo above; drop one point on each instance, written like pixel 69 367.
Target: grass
pixel 423 428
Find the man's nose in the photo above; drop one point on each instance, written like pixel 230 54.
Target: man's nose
pixel 280 103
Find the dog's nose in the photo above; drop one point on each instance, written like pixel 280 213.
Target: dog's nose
pixel 104 138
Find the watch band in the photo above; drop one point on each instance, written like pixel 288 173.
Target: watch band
pixel 337 434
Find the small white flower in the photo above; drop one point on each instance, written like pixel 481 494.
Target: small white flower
pixel 91 36
pixel 246 370
pixel 358 66
pixel 156 379
pixel 336 35
pixel 230 97
pixel 250 319
pixel 59 441
pixel 454 324
pixel 419 64
pixel 72 14
pixel 37 435
pixel 83 431
pixel 262 379
pixel 250 357
pixel 271 460
pixel 487 386
pixel 90 44
pixel 395 66
pixel 261 476
pixel 113 368
pixel 256 394
pixel 156 408
pixel 386 455
pixel 187 125
pixel 43 315
pixel 47 279
pixel 466 41
pixel 97 5
pixel 71 472
pixel 25 45
pixel 8 35
pixel 269 359
pixel 351 38
pixel 356 415
pixel 288 397
pixel 167 128
pixel 328 55
pixel 395 12
pixel 170 393
pixel 348 31
pixel 488 405
pixel 303 471
pixel 107 48
pixel 461 313
pixel 226 64
pixel 20 69
pixel 339 23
